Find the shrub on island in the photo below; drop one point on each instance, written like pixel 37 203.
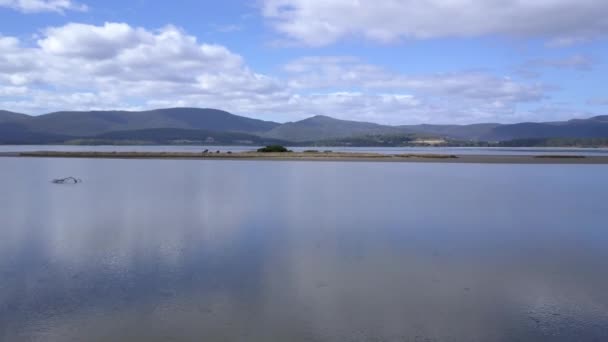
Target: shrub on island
pixel 273 148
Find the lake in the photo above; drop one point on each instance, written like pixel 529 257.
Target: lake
pixel 203 250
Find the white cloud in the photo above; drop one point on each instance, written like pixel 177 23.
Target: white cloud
pixel 566 41
pixel 400 108
pixel 346 87
pixel 331 72
pixel 12 91
pixel 34 6
pixel 322 22
pixel 357 106
pixel 92 42
pixel 117 66
pixel 532 68
pixel 575 62
pixel 120 61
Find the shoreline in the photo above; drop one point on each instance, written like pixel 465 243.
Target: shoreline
pixel 324 156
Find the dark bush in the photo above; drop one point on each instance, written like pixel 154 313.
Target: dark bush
pixel 273 148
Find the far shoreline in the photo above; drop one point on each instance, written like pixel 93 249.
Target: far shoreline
pixel 324 156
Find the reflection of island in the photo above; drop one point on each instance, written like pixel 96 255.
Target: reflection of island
pixel 313 155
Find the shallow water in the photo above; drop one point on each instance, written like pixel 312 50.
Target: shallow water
pixel 160 250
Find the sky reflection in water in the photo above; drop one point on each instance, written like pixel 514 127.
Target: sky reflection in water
pixel 302 251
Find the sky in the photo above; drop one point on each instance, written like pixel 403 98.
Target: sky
pixel 385 61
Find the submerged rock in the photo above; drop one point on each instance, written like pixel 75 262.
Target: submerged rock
pixel 68 180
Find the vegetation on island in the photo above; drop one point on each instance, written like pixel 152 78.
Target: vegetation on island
pixel 274 149
pixel 322 156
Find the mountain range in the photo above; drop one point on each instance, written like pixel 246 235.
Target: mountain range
pixel 212 126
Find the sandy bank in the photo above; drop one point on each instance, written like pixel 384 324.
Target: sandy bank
pixel 325 156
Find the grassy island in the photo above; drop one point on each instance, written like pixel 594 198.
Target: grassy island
pixel 326 156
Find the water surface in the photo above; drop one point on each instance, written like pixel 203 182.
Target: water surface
pixel 160 250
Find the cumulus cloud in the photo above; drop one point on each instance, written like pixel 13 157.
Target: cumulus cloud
pixel 92 42
pixel 120 61
pixel 322 22
pixel 118 66
pixel 34 6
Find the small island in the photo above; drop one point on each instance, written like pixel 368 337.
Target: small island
pixel 278 154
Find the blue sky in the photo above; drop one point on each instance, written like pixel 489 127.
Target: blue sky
pixel 387 61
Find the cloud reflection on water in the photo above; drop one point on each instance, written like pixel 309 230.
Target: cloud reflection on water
pixel 300 251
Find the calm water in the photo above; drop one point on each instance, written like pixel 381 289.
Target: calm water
pixel 526 151
pixel 157 250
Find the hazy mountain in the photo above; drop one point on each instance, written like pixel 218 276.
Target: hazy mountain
pixel 6 116
pixel 181 136
pixel 193 125
pixel 14 130
pixel 15 133
pixel 555 142
pixel 324 127
pixel 596 127
pixel 459 132
pixel 99 122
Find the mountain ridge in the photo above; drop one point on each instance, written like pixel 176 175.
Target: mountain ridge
pixel 8 116
pixel 322 127
pixel 89 125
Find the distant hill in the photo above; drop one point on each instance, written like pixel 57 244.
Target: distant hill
pixel 596 127
pixel 15 133
pixel 209 126
pixel 370 140
pixel 98 122
pixel 6 116
pixel 324 128
pixel 459 132
pixel 169 136
pixel 555 142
